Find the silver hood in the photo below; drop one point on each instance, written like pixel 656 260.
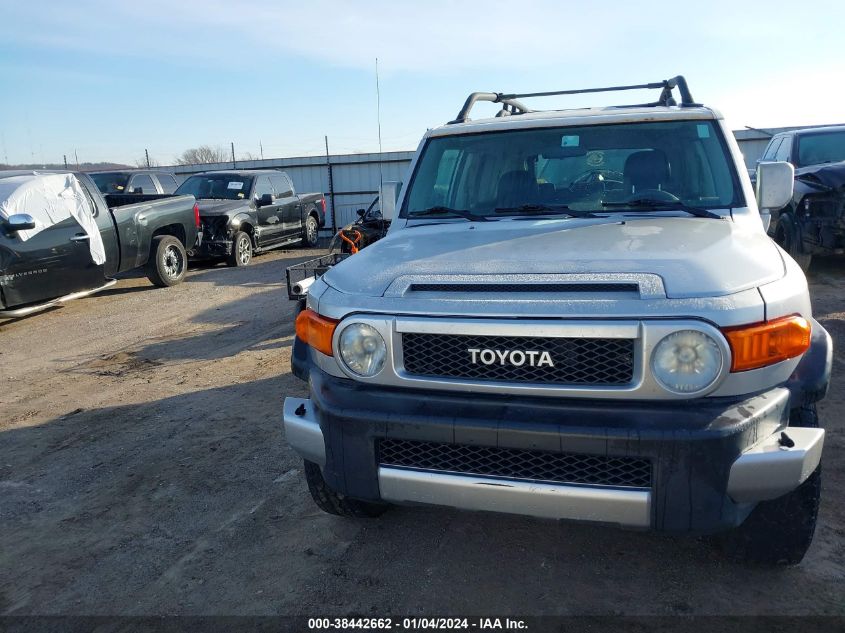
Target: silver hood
pixel 695 257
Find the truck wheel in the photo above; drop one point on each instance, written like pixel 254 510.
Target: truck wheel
pixel 241 253
pixel 309 235
pixel 168 261
pixel 788 237
pixel 333 503
pixel 779 531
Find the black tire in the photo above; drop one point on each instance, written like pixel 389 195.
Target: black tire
pixel 788 236
pixel 241 253
pixel 333 503
pixel 309 232
pixel 168 261
pixel 779 531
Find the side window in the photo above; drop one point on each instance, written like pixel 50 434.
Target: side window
pixel 772 149
pixel 167 182
pixel 95 211
pixel 282 185
pixel 142 182
pixel 263 186
pixel 783 152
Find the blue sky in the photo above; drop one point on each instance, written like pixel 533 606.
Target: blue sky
pixel 108 79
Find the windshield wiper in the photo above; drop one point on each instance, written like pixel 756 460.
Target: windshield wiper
pixel 440 210
pixel 668 205
pixel 543 209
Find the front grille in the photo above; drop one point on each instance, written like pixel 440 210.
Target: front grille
pixel 588 288
pixel 577 361
pixel 512 463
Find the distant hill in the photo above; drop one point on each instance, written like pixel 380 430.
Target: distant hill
pixel 82 166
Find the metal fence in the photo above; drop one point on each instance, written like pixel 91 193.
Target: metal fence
pixel 348 181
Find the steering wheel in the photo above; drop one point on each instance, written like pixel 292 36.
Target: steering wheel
pixel 654 194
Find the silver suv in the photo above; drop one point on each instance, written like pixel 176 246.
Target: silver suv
pixel 575 315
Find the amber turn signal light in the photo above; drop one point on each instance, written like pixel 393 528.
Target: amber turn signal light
pixel 763 344
pixel 316 331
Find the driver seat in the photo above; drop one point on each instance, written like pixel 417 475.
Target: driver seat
pixel 646 170
pixel 517 188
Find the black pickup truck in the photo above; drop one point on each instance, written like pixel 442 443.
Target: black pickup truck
pixel 246 212
pixel 49 265
pixel 813 223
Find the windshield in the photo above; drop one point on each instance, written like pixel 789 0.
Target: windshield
pixel 816 149
pixel 216 187
pixel 575 168
pixel 113 182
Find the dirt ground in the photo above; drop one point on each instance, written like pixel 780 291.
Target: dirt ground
pixel 144 470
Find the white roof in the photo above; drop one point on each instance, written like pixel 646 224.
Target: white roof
pixel 583 116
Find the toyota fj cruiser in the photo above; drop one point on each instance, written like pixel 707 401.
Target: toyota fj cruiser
pixel 575 315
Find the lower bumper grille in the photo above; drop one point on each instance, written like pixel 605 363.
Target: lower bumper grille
pixel 511 463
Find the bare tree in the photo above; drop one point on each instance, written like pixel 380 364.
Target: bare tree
pixel 202 155
pixel 142 162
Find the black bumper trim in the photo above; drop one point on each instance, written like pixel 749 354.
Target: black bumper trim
pixel 691 444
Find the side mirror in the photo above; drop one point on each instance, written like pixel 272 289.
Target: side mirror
pixel 264 200
pixel 361 212
pixel 388 195
pixel 138 190
pixel 775 182
pixel 20 222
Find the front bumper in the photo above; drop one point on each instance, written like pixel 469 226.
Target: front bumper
pixel 711 460
pixel 213 248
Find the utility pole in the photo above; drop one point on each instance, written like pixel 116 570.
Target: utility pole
pixel 261 149
pixel 147 154
pixel 65 157
pixel 331 185
pixel 76 156
pixel 234 166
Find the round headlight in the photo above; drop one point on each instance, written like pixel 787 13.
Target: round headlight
pixel 686 362
pixel 362 349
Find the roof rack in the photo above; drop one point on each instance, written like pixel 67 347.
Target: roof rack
pixel 511 105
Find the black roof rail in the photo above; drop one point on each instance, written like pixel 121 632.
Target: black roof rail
pixel 510 104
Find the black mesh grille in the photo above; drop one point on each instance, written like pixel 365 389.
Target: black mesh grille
pixel 537 287
pixel 517 464
pixel 577 361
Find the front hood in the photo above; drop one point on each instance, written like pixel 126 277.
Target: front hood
pixel 695 257
pixel 830 175
pixel 222 207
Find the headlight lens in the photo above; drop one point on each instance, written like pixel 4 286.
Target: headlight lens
pixel 362 349
pixel 687 361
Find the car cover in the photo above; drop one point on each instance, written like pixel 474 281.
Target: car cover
pixel 831 175
pixel 50 199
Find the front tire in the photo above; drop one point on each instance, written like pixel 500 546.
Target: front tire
pixel 168 261
pixel 334 503
pixel 241 253
pixel 309 232
pixel 779 531
pixel 788 236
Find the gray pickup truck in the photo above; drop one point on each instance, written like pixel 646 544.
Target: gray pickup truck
pixel 56 263
pixel 575 315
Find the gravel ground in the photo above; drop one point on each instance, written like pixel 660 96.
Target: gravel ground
pixel 143 470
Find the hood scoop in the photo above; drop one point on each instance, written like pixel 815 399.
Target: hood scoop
pixel 529 287
pixel 593 289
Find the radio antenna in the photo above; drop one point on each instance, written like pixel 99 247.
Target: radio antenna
pixel 378 117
